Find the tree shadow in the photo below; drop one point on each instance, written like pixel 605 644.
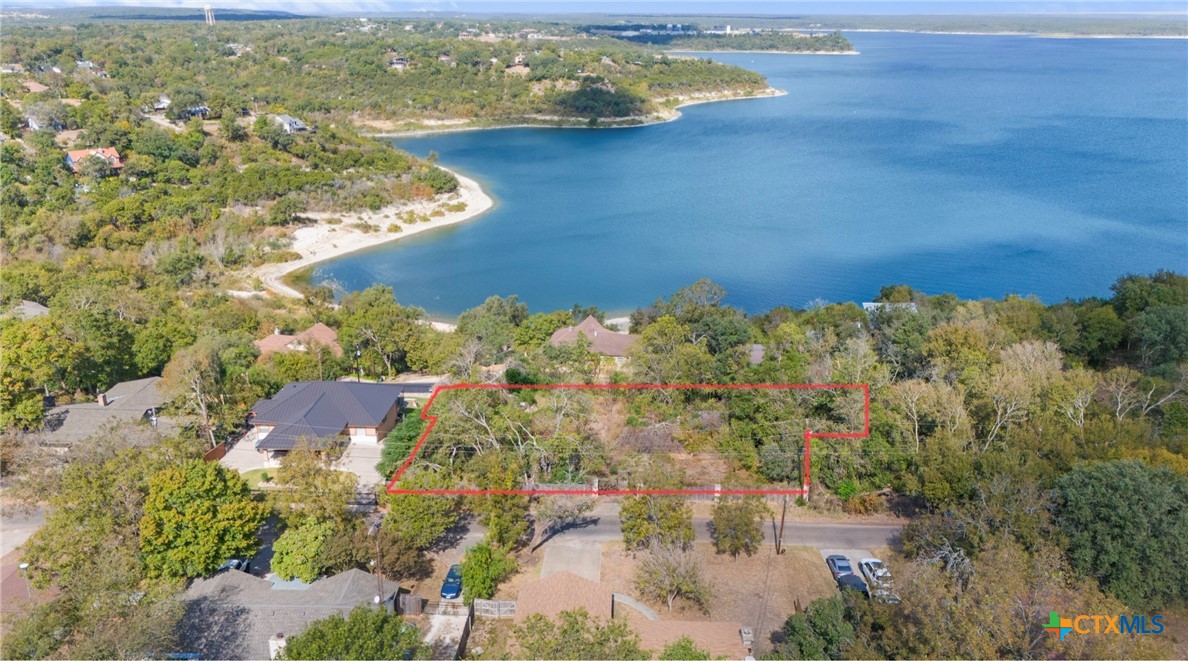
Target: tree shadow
pixel 553 531
pixel 453 536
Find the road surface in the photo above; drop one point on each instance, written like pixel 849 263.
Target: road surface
pixel 16 528
pixel 605 527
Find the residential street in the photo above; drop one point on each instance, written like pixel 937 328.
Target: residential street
pixel 605 527
pixel 17 528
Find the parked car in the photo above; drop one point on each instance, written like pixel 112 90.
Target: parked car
pixel 451 587
pixel 239 564
pixel 875 572
pixel 852 582
pixel 839 565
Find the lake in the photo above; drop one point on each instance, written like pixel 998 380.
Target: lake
pixel 976 165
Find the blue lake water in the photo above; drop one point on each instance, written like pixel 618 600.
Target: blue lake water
pixel 976 165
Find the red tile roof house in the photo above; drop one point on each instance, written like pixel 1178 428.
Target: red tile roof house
pixel 75 158
pixel 318 334
pixel 320 413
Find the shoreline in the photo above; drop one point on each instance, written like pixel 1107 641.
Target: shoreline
pixel 1038 35
pixel 322 241
pixel 542 122
pixel 772 52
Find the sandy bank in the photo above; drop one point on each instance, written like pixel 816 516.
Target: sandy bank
pixel 322 240
pixel 435 126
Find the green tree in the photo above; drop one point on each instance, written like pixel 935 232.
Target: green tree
pixel 310 490
pixel 363 634
pixel 399 443
pixel 683 649
pixel 738 525
pixel 38 357
pixel 483 568
pixel 196 516
pixel 648 520
pixel 297 553
pixel 575 635
pixel 1127 526
pixel 418 520
pixel 820 632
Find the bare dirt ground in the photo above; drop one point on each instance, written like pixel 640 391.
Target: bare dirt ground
pixel 759 591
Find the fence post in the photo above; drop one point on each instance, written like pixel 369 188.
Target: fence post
pixel 595 487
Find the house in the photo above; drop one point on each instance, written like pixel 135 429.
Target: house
pixel 755 353
pixel 322 412
pixel 566 591
pixel 603 341
pixel 162 103
pixel 200 110
pixel 235 615
pixel 129 401
pixel 75 158
pixel 11 68
pixel 85 65
pixel 34 86
pixel 290 124
pixel 398 63
pixel 317 335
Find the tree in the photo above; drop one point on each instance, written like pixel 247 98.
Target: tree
pixel 1127 526
pixel 194 373
pixel 363 634
pixel 649 520
pixel 683 649
pixel 420 521
pixel 669 572
pixel 483 568
pixel 575 635
pixel 297 553
pixel 312 491
pixel 738 525
pixel 400 442
pixel 39 358
pixel 821 632
pixel 196 516
pixel 380 326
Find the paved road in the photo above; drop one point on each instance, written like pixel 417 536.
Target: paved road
pixel 605 527
pixel 16 528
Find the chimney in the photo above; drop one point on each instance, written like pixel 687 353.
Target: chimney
pixel 275 645
pixel 102 399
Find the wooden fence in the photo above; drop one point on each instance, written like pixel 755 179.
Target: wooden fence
pixel 494 609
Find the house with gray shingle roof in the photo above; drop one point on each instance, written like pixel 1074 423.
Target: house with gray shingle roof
pixel 320 413
pixel 129 401
pixel 232 615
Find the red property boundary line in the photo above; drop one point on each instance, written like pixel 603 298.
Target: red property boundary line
pixel 808 436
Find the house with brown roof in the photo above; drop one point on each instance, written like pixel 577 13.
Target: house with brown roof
pixel 602 340
pixel 75 158
pixel 317 335
pixel 34 86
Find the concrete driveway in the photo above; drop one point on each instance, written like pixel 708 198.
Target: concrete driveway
pixel 361 460
pixel 585 560
pixel 17 527
pixel 242 457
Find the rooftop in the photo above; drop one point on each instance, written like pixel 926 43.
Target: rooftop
pixel 322 409
pixel 232 614
pixel 602 341
pixel 128 401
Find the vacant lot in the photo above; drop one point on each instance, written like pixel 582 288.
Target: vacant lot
pixel 759 591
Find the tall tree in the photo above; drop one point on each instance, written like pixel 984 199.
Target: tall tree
pixel 196 516
pixel 575 635
pixel 738 525
pixel 667 573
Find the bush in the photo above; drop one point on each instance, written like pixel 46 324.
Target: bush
pixel 867 503
pixel 483 569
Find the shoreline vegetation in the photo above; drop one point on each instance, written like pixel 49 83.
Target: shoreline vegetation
pixel 1038 35
pixel 669 111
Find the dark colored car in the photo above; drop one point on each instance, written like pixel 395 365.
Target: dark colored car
pixel 451 587
pixel 852 582
pixel 839 565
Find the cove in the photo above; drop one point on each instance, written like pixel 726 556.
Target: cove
pixel 969 164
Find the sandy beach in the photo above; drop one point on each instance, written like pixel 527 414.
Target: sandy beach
pixel 322 240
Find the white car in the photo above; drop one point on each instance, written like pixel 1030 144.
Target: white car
pixel 875 573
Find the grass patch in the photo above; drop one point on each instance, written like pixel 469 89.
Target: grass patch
pixel 259 476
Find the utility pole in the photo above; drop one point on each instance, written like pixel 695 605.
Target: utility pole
pixel 780 536
pixel 379 576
